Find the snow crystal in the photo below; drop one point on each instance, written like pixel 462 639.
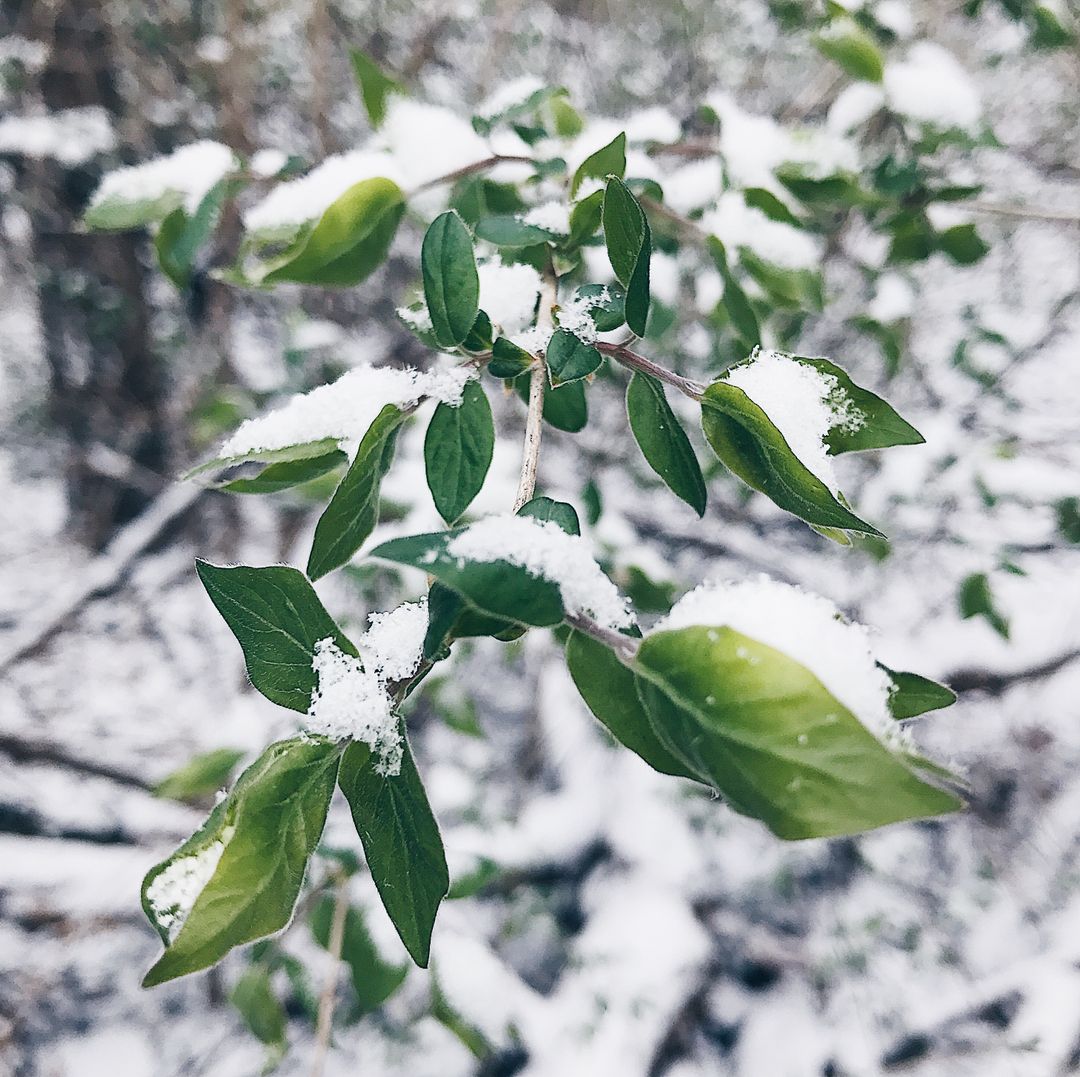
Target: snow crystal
pixel 174 892
pixel 71 136
pixel 544 549
pixel 509 95
pixel 394 644
pixel 575 318
pixel 535 339
pixel 344 409
pixel 552 216
pixel 805 627
pixel 189 172
pixel 508 294
pixel 740 225
pixel 803 403
pixel 418 319
pixel 931 87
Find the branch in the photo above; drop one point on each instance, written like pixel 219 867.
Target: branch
pixel 471 170
pixel 625 647
pixel 328 998
pixel 985 680
pixel 21 751
pixel 624 355
pixel 1036 213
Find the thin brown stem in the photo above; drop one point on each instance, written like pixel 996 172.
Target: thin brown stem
pixel 328 998
pixel 1035 213
pixel 621 354
pixel 471 170
pixel 625 647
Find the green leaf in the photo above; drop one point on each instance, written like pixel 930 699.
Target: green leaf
pixel 375 87
pixel 304 451
pixel 451 283
pixel 737 305
pixel 1067 518
pixel 277 477
pixel 200 777
pixel 880 425
pixel 913 694
pixel 508 360
pixel 663 441
pixel 1048 32
pixel 569 358
pixel 180 237
pixel 353 511
pixel 374 980
pixel 350 240
pixel 496 588
pixel 401 843
pixel 512 233
pixel 269 827
pixel 479 338
pixel 609 160
pixel 254 998
pixel 609 690
pixel 547 510
pixel 763 730
pixel 963 244
pixel 457 451
pixel 607 305
pixel 629 247
pixel 977 600
pixel 120 215
pixel 848 45
pixel 585 219
pixel 565 407
pixel 748 443
pixel 277 619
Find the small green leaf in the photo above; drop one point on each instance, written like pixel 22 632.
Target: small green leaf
pixel 268 827
pixel 609 160
pixel 585 219
pixel 254 998
pixel 512 233
pixel 963 244
pixel 848 45
pixel 277 619
pixel 913 694
pixel 607 303
pixel 663 441
pixel 479 338
pixel 565 407
pixel 277 477
pixel 200 777
pixel 353 511
pixel 401 843
pixel 609 690
pixel 569 358
pixel 305 451
pixel 748 443
pixel 977 600
pixel 629 247
pixel 508 360
pixel 547 510
pixel 737 305
pixel 375 87
pixel 120 215
pixel 180 237
pixel 451 283
pixel 1067 518
pixel 763 730
pixel 457 451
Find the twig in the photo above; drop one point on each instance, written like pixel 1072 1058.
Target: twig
pixel 471 170
pixel 328 998
pixel 994 683
pixel 677 219
pixel 624 355
pixel 22 751
pixel 625 647
pixel 1035 213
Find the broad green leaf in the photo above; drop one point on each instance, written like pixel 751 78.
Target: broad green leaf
pixel 548 510
pixel 180 236
pixel 375 87
pixel 495 588
pixel 269 826
pixel 848 45
pixel 737 305
pixel 305 451
pixel 748 443
pixel 512 233
pixel 479 338
pixel 508 360
pixel 401 843
pixel 763 730
pixel 119 215
pixel 608 309
pixel 977 600
pixel 610 692
pixel 200 777
pixel 663 441
pixel 350 240
pixel 1048 32
pixel 629 247
pixel 565 407
pixel 585 219
pixel 353 511
pixel 277 619
pixel 913 694
pixel 569 358
pixel 457 451
pixel 880 425
pixel 609 160
pixel 262 1011
pixel 481 197
pixel 451 283
pixel 374 980
pixel 277 477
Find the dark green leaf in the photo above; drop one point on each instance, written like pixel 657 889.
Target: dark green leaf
pixel 1067 516
pixel 375 87
pixel 277 619
pixel 508 360
pixel 764 731
pixel 609 160
pixel 254 998
pixel 770 205
pixel 606 305
pixel 629 247
pixel 276 477
pixel 401 843
pixel 663 441
pixel 913 694
pixel 548 510
pixel 734 299
pixel 569 358
pixel 585 219
pixel 853 49
pixel 180 237
pixel 564 407
pixel 457 451
pixel 305 451
pixel 269 826
pixel 451 283
pixel 977 600
pixel 353 511
pixel 963 244
pixel 479 338
pixel 200 777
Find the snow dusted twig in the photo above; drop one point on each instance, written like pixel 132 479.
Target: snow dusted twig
pixel 328 998
pixel 1035 213
pixel 620 353
pixel 624 646
pixel 471 170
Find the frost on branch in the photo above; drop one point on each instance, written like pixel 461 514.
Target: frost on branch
pixel 173 894
pixel 543 549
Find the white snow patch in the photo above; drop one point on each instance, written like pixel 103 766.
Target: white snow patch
pixel 740 225
pixel 394 644
pixel 268 162
pixel 508 293
pixel 854 105
pixel 552 216
pixel 893 300
pixel 508 96
pixel 535 339
pixel 544 549
pixel 427 141
pixel 174 892
pixel 575 318
pixel 71 136
pixel 930 87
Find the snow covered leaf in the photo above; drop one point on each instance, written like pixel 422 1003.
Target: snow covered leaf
pixel 353 511
pixel 375 87
pixel 200 777
pixel 514 99
pixel 748 443
pixel 349 242
pixel 283 476
pixel 663 441
pixel 609 160
pixel 610 692
pixel 565 406
pixel 764 731
pixel 559 513
pixel 629 247
pixel 569 358
pixel 738 306
pixel 603 303
pixel 401 843
pixel 374 980
pixel 277 619
pixel 451 283
pixel 513 232
pixel 847 44
pixel 913 694
pixel 305 451
pixel 457 451
pixel 262 1011
pixel 237 878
